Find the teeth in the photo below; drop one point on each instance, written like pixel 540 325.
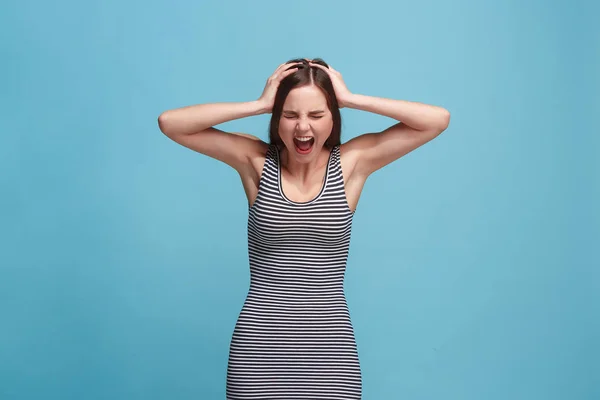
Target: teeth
pixel 303 139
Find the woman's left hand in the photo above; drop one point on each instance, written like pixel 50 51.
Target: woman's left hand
pixel 341 90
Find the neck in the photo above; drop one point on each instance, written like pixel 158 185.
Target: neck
pixel 304 171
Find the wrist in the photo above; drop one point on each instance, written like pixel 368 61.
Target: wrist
pixel 260 107
pixel 351 100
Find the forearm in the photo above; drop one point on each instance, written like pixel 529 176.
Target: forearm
pixel 416 115
pixel 196 118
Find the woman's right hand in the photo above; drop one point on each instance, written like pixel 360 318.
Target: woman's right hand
pixel 267 99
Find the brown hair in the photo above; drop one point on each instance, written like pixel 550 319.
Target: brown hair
pixel 306 75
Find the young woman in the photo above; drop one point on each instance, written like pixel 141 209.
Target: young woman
pixel 294 338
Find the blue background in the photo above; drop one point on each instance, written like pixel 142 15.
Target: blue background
pixel 473 269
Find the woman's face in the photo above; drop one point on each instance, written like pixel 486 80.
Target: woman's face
pixel 305 116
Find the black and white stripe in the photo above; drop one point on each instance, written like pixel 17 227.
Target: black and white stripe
pixel 294 338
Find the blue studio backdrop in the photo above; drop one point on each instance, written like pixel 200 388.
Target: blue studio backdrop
pixel 473 263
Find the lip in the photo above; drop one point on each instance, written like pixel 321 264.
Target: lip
pixel 304 152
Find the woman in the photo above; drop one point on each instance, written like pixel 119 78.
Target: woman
pixel 294 338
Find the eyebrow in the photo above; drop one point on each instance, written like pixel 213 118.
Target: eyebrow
pixel 310 112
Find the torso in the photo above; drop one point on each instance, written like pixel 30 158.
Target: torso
pixel 353 184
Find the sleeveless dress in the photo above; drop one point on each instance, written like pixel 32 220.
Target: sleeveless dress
pixel 294 338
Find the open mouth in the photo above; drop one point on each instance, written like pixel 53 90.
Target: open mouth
pixel 304 145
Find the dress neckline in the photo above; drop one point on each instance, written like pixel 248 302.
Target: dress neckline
pixel 318 196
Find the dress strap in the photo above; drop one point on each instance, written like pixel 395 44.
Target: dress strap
pixel 335 167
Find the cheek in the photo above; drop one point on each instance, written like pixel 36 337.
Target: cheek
pixel 324 125
pixel 286 125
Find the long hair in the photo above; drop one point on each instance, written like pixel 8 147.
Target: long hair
pixel 306 75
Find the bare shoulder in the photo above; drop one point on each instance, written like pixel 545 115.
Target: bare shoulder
pixel 251 171
pixel 370 152
pixel 349 156
pixel 256 155
pixel 354 180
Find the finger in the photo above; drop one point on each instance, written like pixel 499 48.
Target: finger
pixel 287 72
pixel 332 69
pixel 274 73
pixel 281 69
pixel 284 66
pixel 280 74
pixel 290 68
pixel 320 67
pixel 293 65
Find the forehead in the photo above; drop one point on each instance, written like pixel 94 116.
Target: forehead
pixel 305 98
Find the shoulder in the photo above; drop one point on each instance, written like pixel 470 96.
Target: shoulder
pixel 349 156
pixel 257 155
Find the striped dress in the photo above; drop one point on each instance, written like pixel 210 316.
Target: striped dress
pixel 294 338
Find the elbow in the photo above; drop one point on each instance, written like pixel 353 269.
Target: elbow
pixel 163 123
pixel 444 120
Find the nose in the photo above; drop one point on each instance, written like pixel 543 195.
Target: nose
pixel 303 125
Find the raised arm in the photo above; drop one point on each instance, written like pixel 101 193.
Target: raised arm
pixel 193 126
pixel 419 123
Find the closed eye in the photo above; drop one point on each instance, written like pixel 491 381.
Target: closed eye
pixel 294 116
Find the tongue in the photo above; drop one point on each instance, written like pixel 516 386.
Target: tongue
pixel 304 145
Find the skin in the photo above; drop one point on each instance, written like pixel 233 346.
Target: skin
pixel 305 113
pixel 302 176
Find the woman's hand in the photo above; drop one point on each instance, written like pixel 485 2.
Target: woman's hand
pixel 342 93
pixel 267 99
